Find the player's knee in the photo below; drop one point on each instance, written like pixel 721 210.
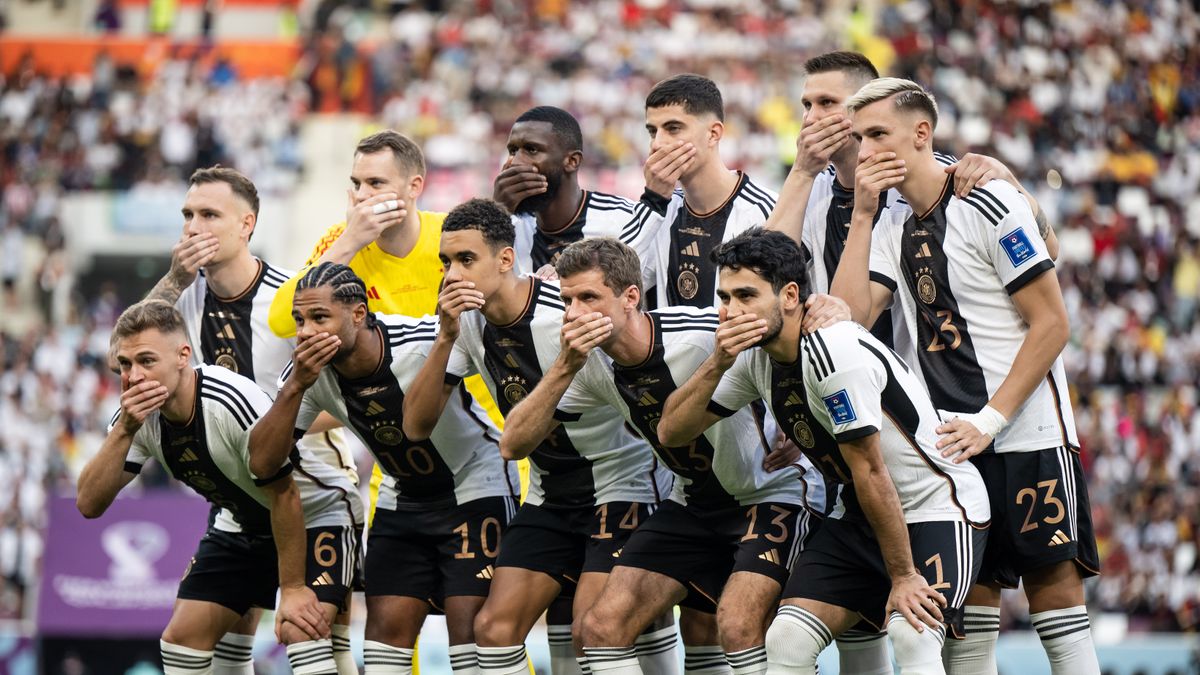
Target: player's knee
pixel 917 652
pixel 793 643
pixel 600 628
pixel 493 629
pixel 290 634
pixel 738 630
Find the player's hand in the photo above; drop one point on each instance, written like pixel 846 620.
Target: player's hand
pixel 822 311
pixel 138 401
pixel 817 143
pixel 547 272
pixel 580 336
pixel 299 606
pixel 965 435
pixel 367 219
pixel 516 183
pixel 311 355
pixel 975 170
pixel 916 601
pixel 456 298
pixel 189 255
pixel 784 453
pixel 735 336
pixel 665 165
pixel 875 176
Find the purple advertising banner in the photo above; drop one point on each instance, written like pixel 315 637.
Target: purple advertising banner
pixel 117 575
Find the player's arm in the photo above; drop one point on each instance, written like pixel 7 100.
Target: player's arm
pixel 1041 306
pixel 187 257
pixel 852 282
pixel 814 147
pixel 105 474
pixel 688 411
pixel 272 438
pixel 978 170
pixel 298 605
pixel 911 594
pixel 426 396
pixel 532 420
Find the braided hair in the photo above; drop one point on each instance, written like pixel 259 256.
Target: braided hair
pixel 346 286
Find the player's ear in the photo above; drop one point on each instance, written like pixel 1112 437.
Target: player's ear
pixel 791 296
pixel 249 222
pixel 508 258
pixel 572 161
pixel 185 354
pixel 923 133
pixel 359 313
pixel 416 185
pixel 632 298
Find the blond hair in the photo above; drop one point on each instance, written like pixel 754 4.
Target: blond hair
pixel 906 95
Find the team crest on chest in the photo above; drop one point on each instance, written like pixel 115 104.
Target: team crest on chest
pixel 688 283
pixel 926 288
pixel 513 388
pixel 226 360
pixel 802 432
pixel 386 433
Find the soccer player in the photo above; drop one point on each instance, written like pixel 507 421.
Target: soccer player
pixel 817 197
pixel 290 525
pixel 904 535
pixel 390 244
pixel 592 481
pixel 726 539
pixel 444 500
pixel 685 119
pixel 224 293
pixel 987 325
pixel 539 185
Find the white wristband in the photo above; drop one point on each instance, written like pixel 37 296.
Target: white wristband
pixel 988 421
pixel 383 207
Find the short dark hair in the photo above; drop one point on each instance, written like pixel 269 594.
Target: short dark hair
pixel 148 315
pixel 617 262
pixel 853 64
pixel 486 216
pixel 348 288
pixel 564 124
pixel 242 186
pixel 772 255
pixel 408 154
pixel 696 93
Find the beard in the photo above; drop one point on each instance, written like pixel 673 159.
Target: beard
pixel 774 328
pixel 538 203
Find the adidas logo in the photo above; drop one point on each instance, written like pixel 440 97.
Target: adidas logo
pixel 923 252
pixel 692 249
pixel 189 455
pixel 374 408
pixel 226 333
pixel 372 293
pixel 323 580
pixel 771 556
pixel 485 573
pixel 1059 538
pixel 511 362
pixel 793 399
pixel 617 553
pixel 647 399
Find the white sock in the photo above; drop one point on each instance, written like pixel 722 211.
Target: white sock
pixel 180 660
pixel 384 659
pixel 656 651
pixel 342 655
pixel 613 660
pixel 502 660
pixel 312 657
pixel 975 654
pixel 584 668
pixel 234 655
pixel 917 652
pixel 752 661
pixel 705 660
pixel 562 650
pixel 794 641
pixel 1067 638
pixel 864 653
pixel 464 660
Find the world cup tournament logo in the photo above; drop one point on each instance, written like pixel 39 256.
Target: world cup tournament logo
pixel 132 547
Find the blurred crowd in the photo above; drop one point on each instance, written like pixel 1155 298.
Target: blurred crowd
pixel 1095 105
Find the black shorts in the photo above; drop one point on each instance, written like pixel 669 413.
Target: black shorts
pixel 241 571
pixel 1041 514
pixel 437 553
pixel 701 548
pixel 565 543
pixel 842 565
